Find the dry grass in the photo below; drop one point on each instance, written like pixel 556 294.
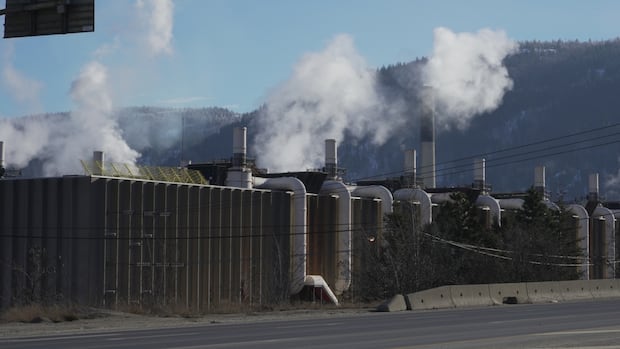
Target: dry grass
pixel 35 313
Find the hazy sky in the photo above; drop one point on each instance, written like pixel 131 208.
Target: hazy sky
pixel 233 53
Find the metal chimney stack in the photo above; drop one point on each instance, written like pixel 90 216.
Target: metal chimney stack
pixel 1 154
pixel 239 147
pixel 539 179
pixel 427 137
pixel 2 170
pixel 239 175
pixel 98 163
pixel 410 167
pixel 331 158
pixel 480 174
pixel 593 189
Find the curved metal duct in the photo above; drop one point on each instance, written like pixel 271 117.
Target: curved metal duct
pixel 378 192
pixel 493 205
pixel 298 262
pixel 583 236
pixel 419 196
pixel 343 278
pixel 511 204
pixel 610 237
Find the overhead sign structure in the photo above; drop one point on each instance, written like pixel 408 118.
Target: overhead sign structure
pixel 47 17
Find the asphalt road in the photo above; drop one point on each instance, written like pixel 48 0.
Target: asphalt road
pixel 560 325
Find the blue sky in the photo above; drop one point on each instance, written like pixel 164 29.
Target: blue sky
pixel 232 53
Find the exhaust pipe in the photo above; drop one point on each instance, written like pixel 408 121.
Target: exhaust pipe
pixel 331 159
pixel 427 137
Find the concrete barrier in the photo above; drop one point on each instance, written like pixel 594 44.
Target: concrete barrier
pixel 436 298
pixel 604 288
pixel 509 293
pixel 575 290
pixel 470 295
pixel 544 292
pixel 396 303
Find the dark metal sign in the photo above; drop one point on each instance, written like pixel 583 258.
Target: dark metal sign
pixel 48 17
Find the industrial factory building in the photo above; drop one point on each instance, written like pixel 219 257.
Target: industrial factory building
pixel 136 235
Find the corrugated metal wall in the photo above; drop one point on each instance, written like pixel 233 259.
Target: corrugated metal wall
pixel 194 246
pixel 109 241
pixel 50 241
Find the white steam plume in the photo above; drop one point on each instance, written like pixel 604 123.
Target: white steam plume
pixel 157 19
pixel 467 73
pixel 91 126
pixel 22 89
pixel 330 93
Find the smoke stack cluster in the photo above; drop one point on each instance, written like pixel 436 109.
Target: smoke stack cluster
pixel 427 137
pixel 331 158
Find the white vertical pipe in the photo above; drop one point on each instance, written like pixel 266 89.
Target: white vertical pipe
pixel 1 154
pixel 331 158
pixel 427 138
pixel 539 178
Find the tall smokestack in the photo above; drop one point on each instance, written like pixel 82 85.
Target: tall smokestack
pixel 539 179
pixel 2 170
pixel 331 158
pixel 480 175
pixel 98 163
pixel 593 190
pixel 239 175
pixel 427 137
pixel 239 147
pixel 410 167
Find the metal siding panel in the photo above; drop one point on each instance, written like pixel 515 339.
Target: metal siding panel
pixel 20 241
pixel 148 243
pixel 267 251
pixel 256 247
pixel 171 251
pixel 245 270
pixel 7 233
pixel 159 239
pixel 183 245
pixel 136 243
pixel 226 234
pixel 215 259
pixel 111 282
pixel 193 253
pixel 124 241
pixel 236 226
pixel 205 249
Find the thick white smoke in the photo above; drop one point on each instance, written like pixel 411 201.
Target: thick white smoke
pixel 330 93
pixel 61 142
pixel 157 20
pixel 467 73
pixel 91 126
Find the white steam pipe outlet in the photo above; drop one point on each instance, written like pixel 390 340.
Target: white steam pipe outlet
pixel 583 236
pixel 337 188
pixel 299 256
pixel 493 205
